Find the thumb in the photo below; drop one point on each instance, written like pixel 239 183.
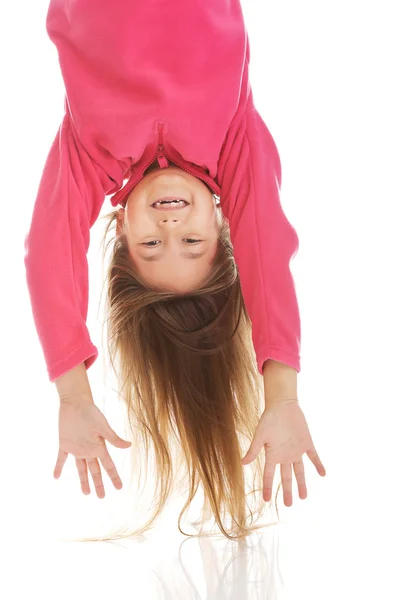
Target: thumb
pixel 253 451
pixel 112 437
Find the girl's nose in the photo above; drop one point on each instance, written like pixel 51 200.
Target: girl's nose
pixel 166 220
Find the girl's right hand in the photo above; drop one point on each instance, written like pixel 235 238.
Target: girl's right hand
pixel 83 430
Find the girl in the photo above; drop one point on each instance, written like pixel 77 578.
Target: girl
pixel 159 113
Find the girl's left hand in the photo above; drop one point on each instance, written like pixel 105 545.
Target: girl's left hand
pixel 284 433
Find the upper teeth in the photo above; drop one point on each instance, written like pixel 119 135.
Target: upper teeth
pixel 169 202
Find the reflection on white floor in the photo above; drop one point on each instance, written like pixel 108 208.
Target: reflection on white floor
pixel 322 549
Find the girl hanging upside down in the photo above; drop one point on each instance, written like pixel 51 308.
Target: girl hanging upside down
pixel 202 316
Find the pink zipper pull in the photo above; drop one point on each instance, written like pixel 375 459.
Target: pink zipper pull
pixel 161 158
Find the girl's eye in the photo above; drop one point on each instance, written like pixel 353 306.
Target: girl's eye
pixel 152 243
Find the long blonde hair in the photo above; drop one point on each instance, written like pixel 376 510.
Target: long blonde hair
pixel 188 376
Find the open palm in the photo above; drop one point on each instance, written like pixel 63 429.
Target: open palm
pixel 284 434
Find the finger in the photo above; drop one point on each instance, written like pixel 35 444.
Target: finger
pixel 83 474
pixel 287 483
pixel 111 470
pixel 95 471
pixel 253 451
pixel 315 459
pixel 298 468
pixel 114 439
pixel 61 459
pixel 268 478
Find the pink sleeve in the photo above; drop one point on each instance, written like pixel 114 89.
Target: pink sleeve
pixel 264 241
pixel 69 198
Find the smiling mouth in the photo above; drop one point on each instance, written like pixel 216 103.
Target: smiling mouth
pixel 169 204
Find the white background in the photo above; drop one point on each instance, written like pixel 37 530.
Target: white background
pixel 332 81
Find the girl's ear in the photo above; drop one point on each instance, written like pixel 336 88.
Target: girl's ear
pixel 120 221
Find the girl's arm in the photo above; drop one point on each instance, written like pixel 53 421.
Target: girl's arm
pixel 69 198
pixel 264 241
pixel 74 386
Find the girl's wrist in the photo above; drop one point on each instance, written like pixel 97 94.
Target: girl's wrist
pixel 280 382
pixel 74 385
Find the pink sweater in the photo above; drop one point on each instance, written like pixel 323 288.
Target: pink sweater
pixel 164 80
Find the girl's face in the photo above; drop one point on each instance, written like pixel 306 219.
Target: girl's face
pixel 173 249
